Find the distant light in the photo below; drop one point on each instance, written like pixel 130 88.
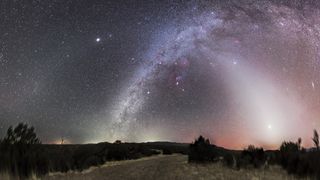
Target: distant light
pixel 269 126
pixel 235 62
pixel 98 39
pixel 148 92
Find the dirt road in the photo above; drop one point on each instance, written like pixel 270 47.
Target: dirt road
pixel 167 168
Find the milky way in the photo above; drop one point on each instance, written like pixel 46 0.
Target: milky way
pixel 238 72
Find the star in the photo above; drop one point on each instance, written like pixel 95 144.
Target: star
pixel 204 64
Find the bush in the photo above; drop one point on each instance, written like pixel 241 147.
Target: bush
pixel 297 160
pixel 228 160
pixel 166 151
pixel 252 156
pixel 289 155
pixel 288 147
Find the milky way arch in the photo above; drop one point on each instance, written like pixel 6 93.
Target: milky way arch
pixel 256 48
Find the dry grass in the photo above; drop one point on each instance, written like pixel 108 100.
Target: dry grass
pixel 7 176
pixel 171 167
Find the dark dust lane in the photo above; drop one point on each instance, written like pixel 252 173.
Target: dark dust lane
pixel 167 168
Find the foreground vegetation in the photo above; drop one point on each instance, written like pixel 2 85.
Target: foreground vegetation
pixel 291 156
pixel 23 155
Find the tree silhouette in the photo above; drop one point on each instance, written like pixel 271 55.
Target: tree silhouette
pixel 21 153
pixel 21 134
pixel 201 151
pixel 299 143
pixel 315 139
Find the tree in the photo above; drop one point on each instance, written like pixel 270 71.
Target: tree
pixel 21 154
pixel 315 139
pixel 201 151
pixel 21 134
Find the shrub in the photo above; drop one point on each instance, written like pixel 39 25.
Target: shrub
pixel 166 151
pixel 228 160
pixel 252 156
pixel 289 155
pixel 297 160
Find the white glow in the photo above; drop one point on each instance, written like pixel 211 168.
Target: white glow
pixel 262 103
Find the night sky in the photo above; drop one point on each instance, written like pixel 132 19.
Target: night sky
pixel 239 72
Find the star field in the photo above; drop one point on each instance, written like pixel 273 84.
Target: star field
pixel 239 72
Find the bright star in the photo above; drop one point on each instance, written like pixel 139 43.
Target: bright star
pixel 98 39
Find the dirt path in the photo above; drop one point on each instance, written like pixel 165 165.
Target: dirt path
pixel 167 168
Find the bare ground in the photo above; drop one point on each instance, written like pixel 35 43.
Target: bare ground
pixel 167 168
